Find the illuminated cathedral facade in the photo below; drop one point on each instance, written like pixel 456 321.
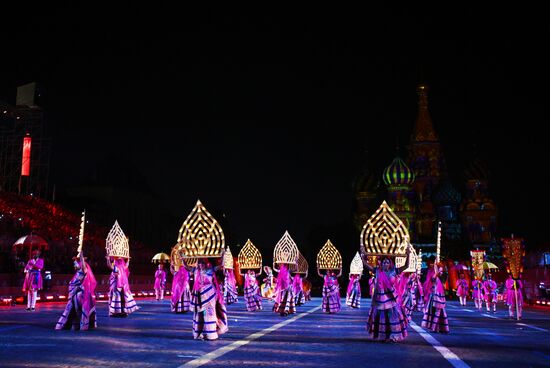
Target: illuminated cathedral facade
pixel 421 193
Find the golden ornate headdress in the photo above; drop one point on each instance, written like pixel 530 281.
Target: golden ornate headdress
pixel 250 257
pixel 228 259
pixel 201 235
pixel 117 244
pixel 356 267
pixel 301 267
pixel 412 264
pixel 384 234
pixel 286 251
pixel 329 257
pixel 513 251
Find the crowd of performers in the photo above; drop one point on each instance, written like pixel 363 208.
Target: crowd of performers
pixel 486 291
pixel 396 295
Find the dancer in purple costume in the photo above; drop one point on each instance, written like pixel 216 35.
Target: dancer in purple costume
pixel 386 319
pixel 252 296
pixel 181 293
pixel 435 315
pixel 80 313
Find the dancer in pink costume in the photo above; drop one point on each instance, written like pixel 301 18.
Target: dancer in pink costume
pixel 181 293
pixel 284 295
pixel 511 294
pixel 490 291
pixel 230 294
pixel 331 292
pixel 435 315
pixel 209 310
pixel 371 284
pixel 386 318
pixel 298 289
pixel 477 293
pixel 268 287
pixel 407 295
pixel 353 294
pixel 160 283
pixel 252 296
pixel 121 301
pixel 80 313
pixel 33 279
pixel 419 294
pixel 462 289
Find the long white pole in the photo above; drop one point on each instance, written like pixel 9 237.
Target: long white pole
pixel 438 248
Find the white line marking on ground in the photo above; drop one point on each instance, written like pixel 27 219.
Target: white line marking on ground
pixel 447 354
pixel 488 315
pixel 207 358
pixel 467 310
pixel 533 327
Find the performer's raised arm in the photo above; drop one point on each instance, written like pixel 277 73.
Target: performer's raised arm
pixel 82 264
pixel 109 263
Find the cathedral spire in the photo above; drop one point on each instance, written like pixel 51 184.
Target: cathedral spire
pixel 423 129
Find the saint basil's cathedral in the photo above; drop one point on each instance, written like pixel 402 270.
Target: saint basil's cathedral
pixel 419 190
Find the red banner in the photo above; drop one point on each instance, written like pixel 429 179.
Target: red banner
pixel 26 161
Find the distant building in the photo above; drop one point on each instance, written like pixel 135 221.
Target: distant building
pixel 25 118
pixel 421 193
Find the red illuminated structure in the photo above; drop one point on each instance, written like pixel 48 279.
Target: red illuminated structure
pixel 26 159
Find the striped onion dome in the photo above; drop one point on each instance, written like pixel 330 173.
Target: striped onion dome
pixel 398 173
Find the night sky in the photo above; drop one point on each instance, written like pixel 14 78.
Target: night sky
pixel 265 114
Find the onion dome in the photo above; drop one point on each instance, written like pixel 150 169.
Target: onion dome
pixel 446 194
pixel 398 173
pixel 477 169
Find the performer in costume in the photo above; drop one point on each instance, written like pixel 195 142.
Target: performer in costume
pixel 229 287
pixel 160 283
pixel 121 301
pixel 490 292
pixel 268 286
pixel 435 315
pixel 252 296
pixel 477 293
pixel 331 292
pixel 511 294
pixel 306 285
pixel 209 311
pixel 181 293
pixel 407 291
pixel 419 294
pixel 33 278
pixel 284 295
pixel 386 318
pixel 462 288
pixel 80 313
pixel 371 284
pixel 353 295
pixel 298 289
